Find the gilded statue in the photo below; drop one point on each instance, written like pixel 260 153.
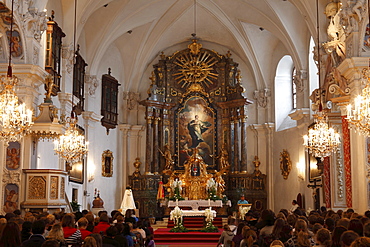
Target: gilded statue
pixel 224 158
pixel 195 177
pixel 168 157
pixel 49 86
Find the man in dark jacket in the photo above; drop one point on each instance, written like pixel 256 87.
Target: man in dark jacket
pixel 36 239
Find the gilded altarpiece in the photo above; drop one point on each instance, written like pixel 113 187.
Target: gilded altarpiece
pixel 195 101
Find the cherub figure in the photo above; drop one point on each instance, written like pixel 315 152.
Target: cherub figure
pixel 12 161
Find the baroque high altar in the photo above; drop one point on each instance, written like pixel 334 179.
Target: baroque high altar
pixel 196 130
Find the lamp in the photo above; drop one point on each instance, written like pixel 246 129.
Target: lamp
pixel 71 146
pixel 359 115
pixel 321 140
pixel 15 118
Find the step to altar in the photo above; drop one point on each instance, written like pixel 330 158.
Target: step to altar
pixel 196 223
pixel 164 236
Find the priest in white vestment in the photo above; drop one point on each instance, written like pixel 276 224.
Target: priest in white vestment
pixel 128 201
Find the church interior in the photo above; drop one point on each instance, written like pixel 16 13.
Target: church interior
pixel 185 100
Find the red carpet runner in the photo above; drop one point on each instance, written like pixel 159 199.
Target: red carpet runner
pixel 164 236
pixel 194 224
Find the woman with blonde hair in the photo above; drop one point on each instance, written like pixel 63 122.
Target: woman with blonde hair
pixel 56 233
pixel 300 236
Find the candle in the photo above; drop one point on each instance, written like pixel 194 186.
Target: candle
pixel 177 202
pixel 209 202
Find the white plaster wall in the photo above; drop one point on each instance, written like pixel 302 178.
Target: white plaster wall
pixel 287 190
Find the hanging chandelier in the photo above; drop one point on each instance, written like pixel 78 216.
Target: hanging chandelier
pixel 359 115
pixel 71 146
pixel 15 118
pixel 321 140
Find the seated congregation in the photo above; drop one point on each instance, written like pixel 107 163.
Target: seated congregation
pixel 317 228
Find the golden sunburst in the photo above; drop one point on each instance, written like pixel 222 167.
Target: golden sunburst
pixel 196 69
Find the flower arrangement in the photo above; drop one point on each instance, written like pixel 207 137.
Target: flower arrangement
pixel 176 188
pixel 243 211
pixel 212 189
pixel 209 219
pixel 176 216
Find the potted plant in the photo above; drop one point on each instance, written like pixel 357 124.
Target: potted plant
pixel 75 206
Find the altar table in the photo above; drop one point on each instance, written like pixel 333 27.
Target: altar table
pixel 195 204
pixel 196 213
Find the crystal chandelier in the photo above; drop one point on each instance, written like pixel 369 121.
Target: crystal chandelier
pixel 15 118
pixel 359 115
pixel 71 146
pixel 321 140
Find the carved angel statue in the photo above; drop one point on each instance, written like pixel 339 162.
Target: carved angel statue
pixel 168 157
pixel 49 86
pixel 223 158
pixel 336 35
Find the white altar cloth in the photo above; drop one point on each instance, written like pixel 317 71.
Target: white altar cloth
pixel 195 204
pixel 196 213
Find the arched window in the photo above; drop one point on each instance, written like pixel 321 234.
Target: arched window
pixel 284 94
pixel 294 89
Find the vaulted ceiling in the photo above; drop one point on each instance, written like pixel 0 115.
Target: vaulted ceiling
pixel 257 32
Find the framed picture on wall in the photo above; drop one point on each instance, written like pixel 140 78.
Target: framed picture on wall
pixel 76 172
pixel 107 163
pixel 315 167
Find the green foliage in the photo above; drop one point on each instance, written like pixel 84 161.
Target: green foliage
pixel 210 228
pixel 75 206
pixel 179 228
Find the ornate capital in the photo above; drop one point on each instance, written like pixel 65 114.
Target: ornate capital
pixel 67 54
pixel 261 96
pixel 132 99
pixel 92 84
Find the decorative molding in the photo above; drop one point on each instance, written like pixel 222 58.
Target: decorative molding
pixel 327 184
pixel 54 187
pixel 11 177
pixel 35 22
pixel 352 14
pixel 261 96
pixel 67 54
pixel 347 161
pixel 92 83
pixel 132 99
pixel 37 187
pixel 91 116
pixel 340 173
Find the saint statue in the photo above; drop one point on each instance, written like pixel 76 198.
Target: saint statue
pixel 224 158
pixel 168 157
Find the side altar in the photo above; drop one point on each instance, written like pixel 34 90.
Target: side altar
pixel 196 134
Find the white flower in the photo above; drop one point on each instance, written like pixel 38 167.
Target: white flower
pixel 243 211
pixel 211 184
pixel 208 214
pixel 176 215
